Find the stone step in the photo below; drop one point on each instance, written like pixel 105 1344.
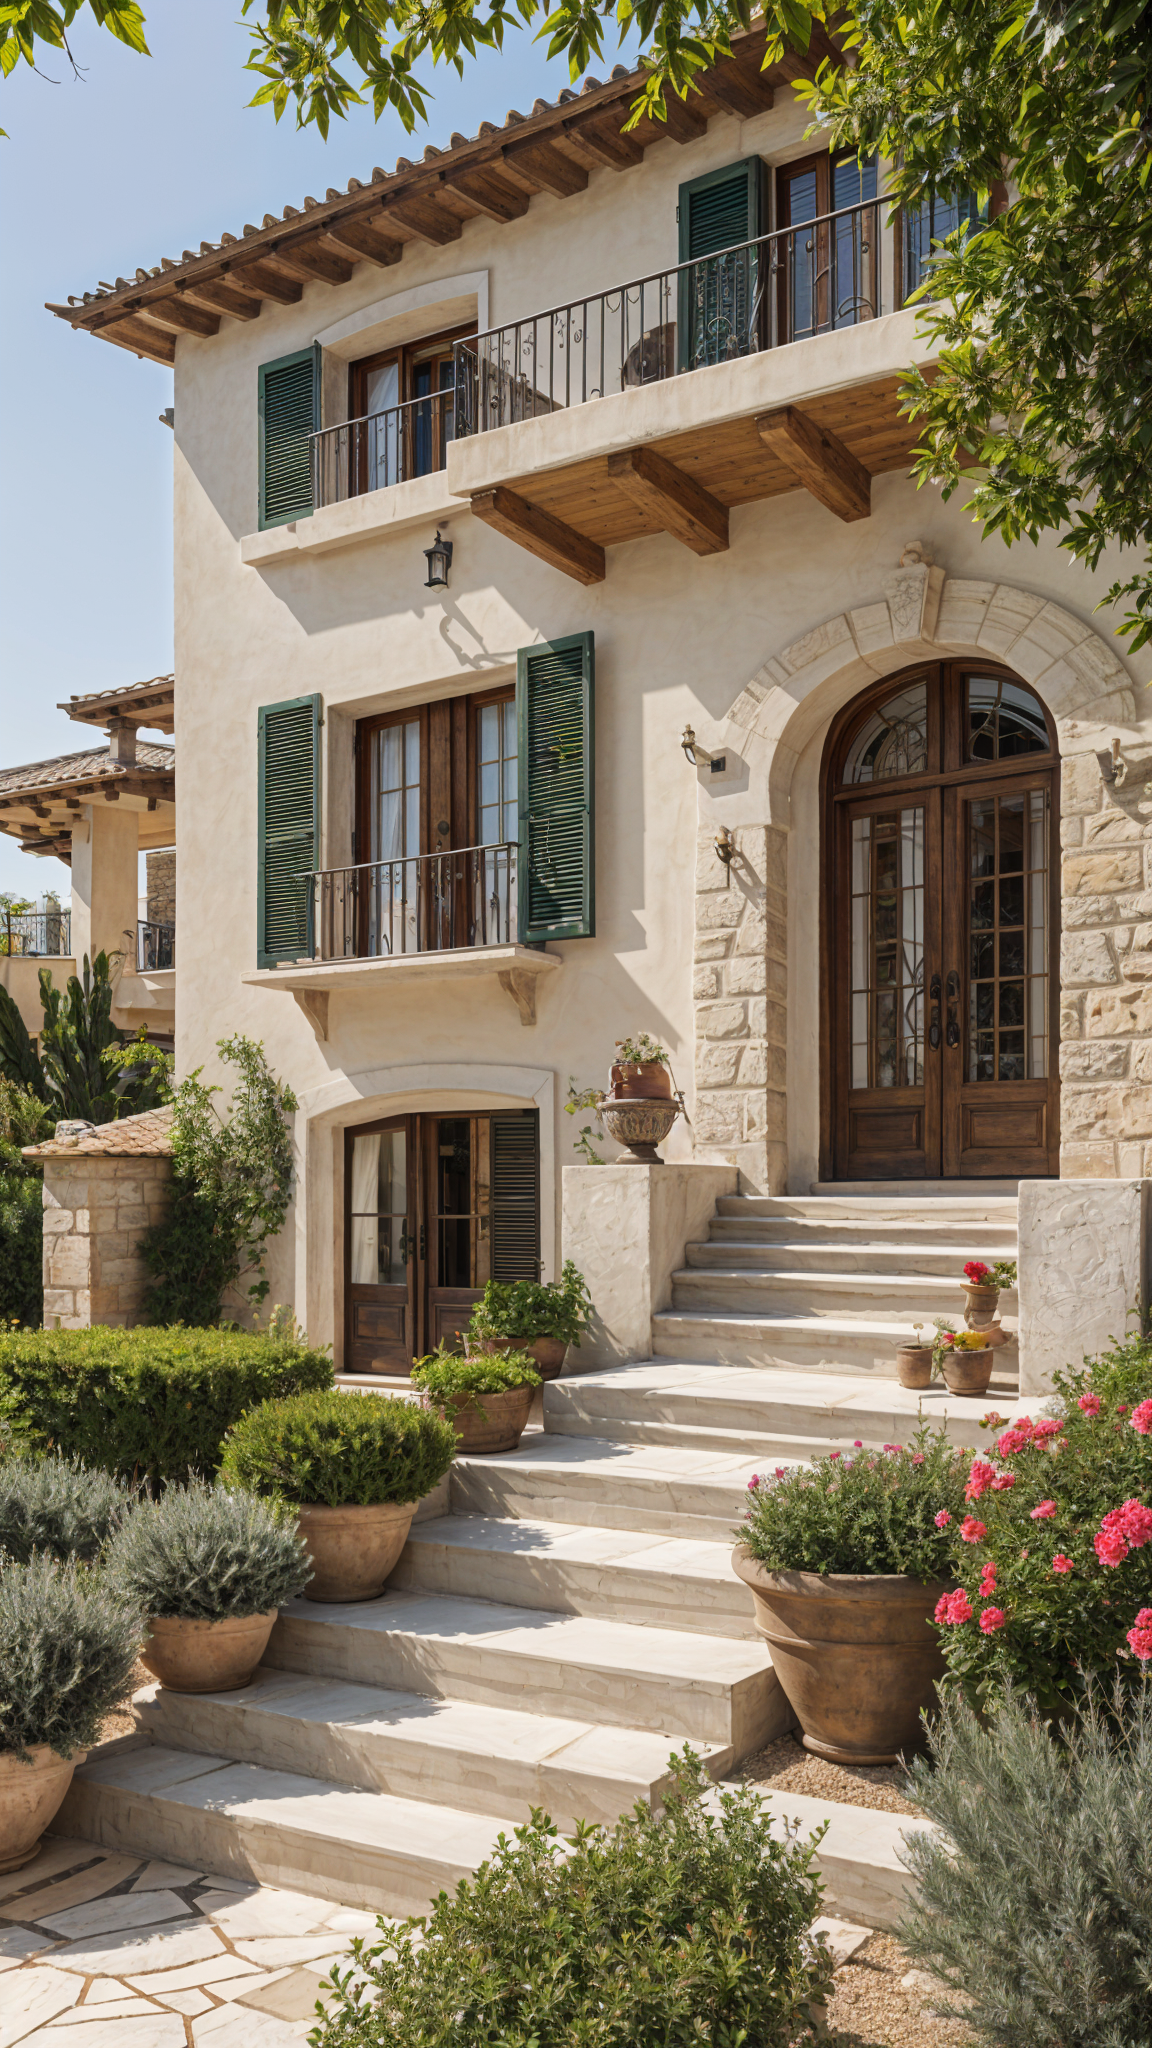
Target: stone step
pixel 839 1344
pixel 905 1297
pixel 711 1688
pixel 757 1411
pixel 674 1491
pixel 860 1857
pixel 936 1190
pixel 791 1255
pixel 954 1240
pixel 907 1205
pixel 474 1757
pixel 671 1582
pixel 300 1833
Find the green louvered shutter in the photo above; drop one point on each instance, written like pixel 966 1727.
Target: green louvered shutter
pixel 289 826
pixel 515 1195
pixel 717 301
pixel 289 413
pixel 556 870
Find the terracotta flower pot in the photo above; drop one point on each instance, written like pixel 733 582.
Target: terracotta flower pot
pixel 353 1549
pixel 206 1656
pixel 639 1081
pixel 856 1656
pixel 979 1305
pixel 967 1372
pixel 994 1335
pixel 914 1365
pixel 549 1352
pixel 30 1795
pixel 496 1425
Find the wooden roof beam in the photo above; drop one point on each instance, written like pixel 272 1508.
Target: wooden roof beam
pixel 820 460
pixel 491 193
pixel 684 120
pixel 547 166
pixel 264 275
pixel 364 242
pixel 176 313
pixel 737 90
pixel 141 337
pixel 543 535
pixel 425 219
pixel 220 297
pixel 599 135
pixel 314 257
pixel 682 506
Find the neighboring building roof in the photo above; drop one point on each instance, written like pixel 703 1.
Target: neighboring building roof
pixel 495 173
pixel 150 703
pixel 39 801
pixel 65 771
pixel 147 1136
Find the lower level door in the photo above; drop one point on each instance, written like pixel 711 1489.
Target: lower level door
pixel 380 1268
pixel 482 1183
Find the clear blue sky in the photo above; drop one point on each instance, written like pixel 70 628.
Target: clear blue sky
pixel 140 159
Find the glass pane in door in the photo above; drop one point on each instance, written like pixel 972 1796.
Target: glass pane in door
pixel 1008 937
pixel 379 1222
pixel 393 925
pixel 497 823
pixel 887 941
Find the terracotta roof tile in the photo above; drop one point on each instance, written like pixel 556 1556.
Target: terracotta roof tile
pixel 148 1136
pixel 93 763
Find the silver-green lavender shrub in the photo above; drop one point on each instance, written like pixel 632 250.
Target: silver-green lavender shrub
pixel 205 1553
pixel 68 1642
pixel 58 1505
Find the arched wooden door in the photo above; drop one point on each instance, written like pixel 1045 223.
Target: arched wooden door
pixel 940 934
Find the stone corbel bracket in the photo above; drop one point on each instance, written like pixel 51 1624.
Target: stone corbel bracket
pixel 520 984
pixel 314 1003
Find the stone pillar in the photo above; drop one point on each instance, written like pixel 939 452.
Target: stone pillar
pixel 105 1186
pixel 105 856
pixel 1083 1271
pixel 626 1228
pixel 739 991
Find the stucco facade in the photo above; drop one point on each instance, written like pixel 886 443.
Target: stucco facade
pixel 757 648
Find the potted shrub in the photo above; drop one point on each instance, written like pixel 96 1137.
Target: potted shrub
pixel 964 1359
pixel 847 1560
pixel 914 1366
pixel 209 1566
pixel 354 1467
pixel 540 1317
pixel 640 1071
pixel 487 1398
pixel 68 1644
pixel 58 1505
pixel 983 1286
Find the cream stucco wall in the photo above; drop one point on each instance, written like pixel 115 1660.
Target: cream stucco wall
pixel 678 639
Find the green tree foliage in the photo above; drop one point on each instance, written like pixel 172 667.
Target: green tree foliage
pixel 208 1553
pixel 669 1930
pixel 231 1185
pixel 1034 1901
pixel 24 1120
pixel 145 1403
pixel 339 1450
pixel 85 1067
pixel 67 1648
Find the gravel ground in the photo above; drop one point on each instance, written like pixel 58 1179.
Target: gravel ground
pixel 788 1767
pixel 871 2008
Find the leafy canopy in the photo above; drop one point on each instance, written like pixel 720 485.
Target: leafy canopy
pixel 85 1066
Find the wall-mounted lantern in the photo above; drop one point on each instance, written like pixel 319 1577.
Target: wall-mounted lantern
pixel 439 560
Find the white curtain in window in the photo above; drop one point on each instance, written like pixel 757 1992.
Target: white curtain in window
pixel 365 1197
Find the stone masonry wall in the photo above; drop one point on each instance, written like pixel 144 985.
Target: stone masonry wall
pixel 95 1212
pixel 739 989
pixel 161 869
pixel 1106 970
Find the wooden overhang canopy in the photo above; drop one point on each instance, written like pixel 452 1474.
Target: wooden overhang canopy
pixel 40 803
pixel 148 704
pixel 496 173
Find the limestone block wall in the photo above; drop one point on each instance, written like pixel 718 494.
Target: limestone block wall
pixel 739 988
pixel 96 1211
pixel 161 869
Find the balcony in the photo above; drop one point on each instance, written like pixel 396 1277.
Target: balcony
pixel 36 934
pixel 424 918
pixel 155 947
pixel 385 448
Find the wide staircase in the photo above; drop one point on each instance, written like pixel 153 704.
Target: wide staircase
pixel 565 1616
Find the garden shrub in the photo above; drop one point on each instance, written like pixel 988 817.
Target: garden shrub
pixel 58 1505
pixel 339 1450
pixel 205 1553
pixel 1036 1901
pixel 534 1308
pixel 68 1643
pixel 444 1374
pixel 871 1512
pixel 1053 1549
pixel 684 1927
pixel 149 1403
pixel 24 1120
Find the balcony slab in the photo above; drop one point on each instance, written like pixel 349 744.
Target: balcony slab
pixel 313 982
pixel 420 502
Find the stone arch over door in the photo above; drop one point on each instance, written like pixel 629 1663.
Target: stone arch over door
pixel 745 923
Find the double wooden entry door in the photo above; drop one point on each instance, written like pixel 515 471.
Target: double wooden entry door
pixel 940 932
pixel 434 1207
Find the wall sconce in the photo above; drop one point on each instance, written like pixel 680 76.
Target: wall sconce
pixel 439 560
pixel 725 851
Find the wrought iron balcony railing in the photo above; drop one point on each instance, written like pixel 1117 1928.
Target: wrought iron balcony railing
pixel 155 946
pixel 36 933
pixel 814 278
pixel 427 903
pixel 384 448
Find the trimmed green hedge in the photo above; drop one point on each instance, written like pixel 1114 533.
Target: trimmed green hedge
pixel 149 1403
pixel 340 1450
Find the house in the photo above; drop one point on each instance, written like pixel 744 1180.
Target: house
pixel 565 652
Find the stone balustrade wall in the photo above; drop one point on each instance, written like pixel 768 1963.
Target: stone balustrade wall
pixel 96 1210
pixel 739 987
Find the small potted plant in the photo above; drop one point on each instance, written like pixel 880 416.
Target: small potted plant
pixel 963 1358
pixel 354 1467
pixel 914 1362
pixel 640 1071
pixel 487 1398
pixel 68 1644
pixel 209 1566
pixel 983 1285
pixel 540 1317
pixel 847 1560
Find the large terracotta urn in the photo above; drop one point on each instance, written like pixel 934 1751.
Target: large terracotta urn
pixel 206 1656
pixel 353 1549
pixel 857 1656
pixel 640 1126
pixel 30 1795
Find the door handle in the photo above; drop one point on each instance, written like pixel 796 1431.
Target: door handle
pixel 953 991
pixel 934 1026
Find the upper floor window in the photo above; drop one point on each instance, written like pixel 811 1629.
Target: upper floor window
pixel 401 418
pixel 827 272
pixel 936 217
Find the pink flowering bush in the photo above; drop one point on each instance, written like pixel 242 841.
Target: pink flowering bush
pixel 1058 1527
pixel 869 1512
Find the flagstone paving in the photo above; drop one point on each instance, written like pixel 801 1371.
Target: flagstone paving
pixel 115 1951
